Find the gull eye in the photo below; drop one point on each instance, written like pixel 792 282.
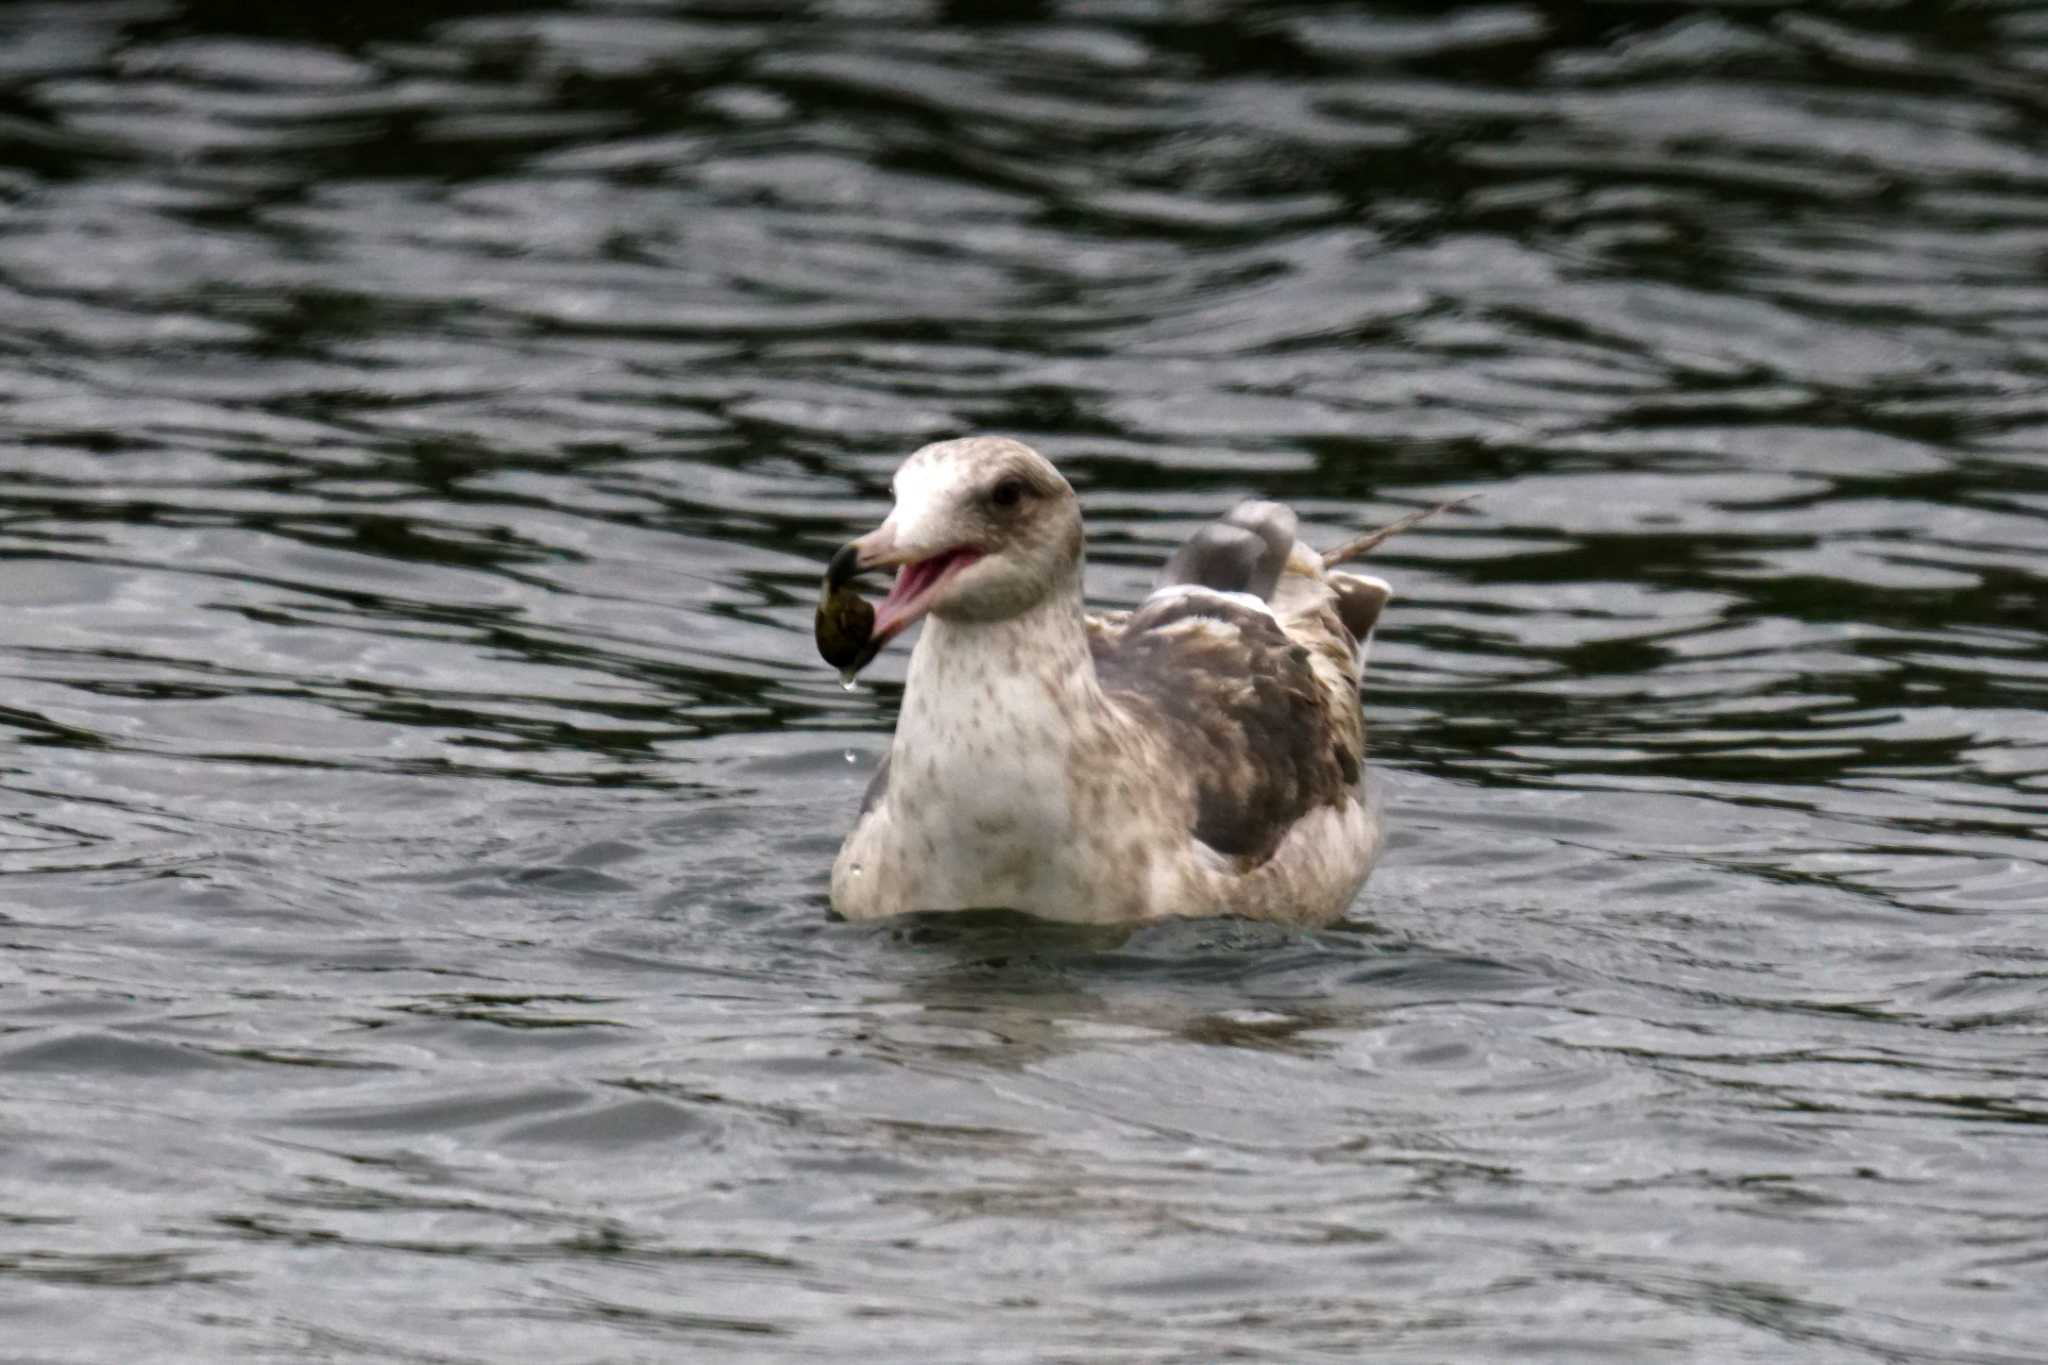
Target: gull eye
pixel 1008 493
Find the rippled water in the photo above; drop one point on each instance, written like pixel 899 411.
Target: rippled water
pixel 422 436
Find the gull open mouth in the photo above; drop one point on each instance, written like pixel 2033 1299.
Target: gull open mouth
pixel 910 596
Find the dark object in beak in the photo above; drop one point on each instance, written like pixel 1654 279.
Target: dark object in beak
pixel 846 623
pixel 844 566
pixel 846 630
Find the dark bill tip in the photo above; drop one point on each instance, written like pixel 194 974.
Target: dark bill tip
pixel 844 566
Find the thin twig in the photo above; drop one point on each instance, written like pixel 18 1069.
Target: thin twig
pixel 1352 549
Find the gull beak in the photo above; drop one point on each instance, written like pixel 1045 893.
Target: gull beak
pixel 919 580
pixel 845 629
pixel 875 550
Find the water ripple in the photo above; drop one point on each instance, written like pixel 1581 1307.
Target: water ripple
pixel 423 433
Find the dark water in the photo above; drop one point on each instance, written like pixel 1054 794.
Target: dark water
pixel 422 435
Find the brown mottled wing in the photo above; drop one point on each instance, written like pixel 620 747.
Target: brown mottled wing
pixel 1241 705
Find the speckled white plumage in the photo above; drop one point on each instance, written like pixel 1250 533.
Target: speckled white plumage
pixel 1068 766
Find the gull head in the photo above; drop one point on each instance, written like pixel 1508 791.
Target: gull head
pixel 984 529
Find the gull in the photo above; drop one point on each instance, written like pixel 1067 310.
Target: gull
pixel 1201 754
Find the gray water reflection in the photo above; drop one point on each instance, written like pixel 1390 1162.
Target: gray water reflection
pixel 422 433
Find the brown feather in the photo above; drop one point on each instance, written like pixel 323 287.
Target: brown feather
pixel 1243 707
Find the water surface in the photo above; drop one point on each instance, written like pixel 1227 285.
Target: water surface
pixel 422 436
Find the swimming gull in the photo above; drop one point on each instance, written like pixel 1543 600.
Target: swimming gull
pixel 1198 755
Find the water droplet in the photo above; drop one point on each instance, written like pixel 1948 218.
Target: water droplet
pixel 853 871
pixel 846 679
pixel 850 758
